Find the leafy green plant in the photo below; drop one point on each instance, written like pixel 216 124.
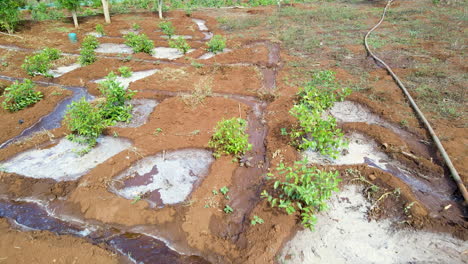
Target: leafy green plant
pixel 20 95
pixel 42 12
pixel 256 220
pixel 167 28
pixel 100 29
pixel 313 131
pixel 115 108
pixel 73 6
pixel 40 63
pixel 86 123
pixel 157 131
pixel 139 43
pixel 125 71
pixel 228 209
pixel 224 190
pixel 180 44
pixel 230 137
pixel 216 44
pixel 9 15
pixel 90 42
pixel 306 189
pixel 135 26
pixel 87 53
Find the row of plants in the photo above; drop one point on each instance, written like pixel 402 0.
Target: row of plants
pixel 40 63
pixel 87 120
pixel 87 52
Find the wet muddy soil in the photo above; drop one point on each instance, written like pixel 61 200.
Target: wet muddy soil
pixel 150 191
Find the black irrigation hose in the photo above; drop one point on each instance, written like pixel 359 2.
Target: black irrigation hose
pixel 445 156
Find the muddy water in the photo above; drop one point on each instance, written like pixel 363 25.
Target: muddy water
pixel 54 119
pixel 137 247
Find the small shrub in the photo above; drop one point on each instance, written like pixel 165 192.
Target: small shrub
pixel 167 28
pixel 139 43
pixel 306 190
pixel 90 42
pixel 85 122
pixel 216 44
pixel 9 15
pixel 125 71
pixel 20 95
pixel 180 44
pixel 313 130
pixel 42 12
pixel 40 63
pixel 115 108
pixel 230 138
pixel 100 30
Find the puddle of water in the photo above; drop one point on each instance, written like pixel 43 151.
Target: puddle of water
pixel 64 69
pixel 135 77
pixel 139 248
pixel 60 162
pixel 166 178
pixel 114 48
pixel 344 234
pixel 142 108
pixel 348 111
pixel 201 24
pixel 210 55
pixel 168 53
pixel 177 36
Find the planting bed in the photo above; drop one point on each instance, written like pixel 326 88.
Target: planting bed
pixel 151 191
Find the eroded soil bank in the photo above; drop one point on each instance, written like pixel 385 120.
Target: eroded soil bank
pixel 123 211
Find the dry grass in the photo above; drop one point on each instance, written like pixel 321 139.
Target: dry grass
pixel 203 88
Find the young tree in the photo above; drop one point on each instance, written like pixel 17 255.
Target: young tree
pixel 72 6
pixel 9 15
pixel 160 6
pixel 105 8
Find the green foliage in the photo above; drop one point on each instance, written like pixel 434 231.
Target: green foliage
pixel 71 5
pixel 42 12
pixel 216 44
pixel 256 220
pixel 139 43
pixel 180 44
pixel 40 63
pixel 115 108
pixel 135 26
pixel 306 190
pixel 9 15
pixel 125 71
pixel 224 190
pixel 167 28
pixel 100 29
pixel 228 209
pixel 230 137
pixel 20 95
pixel 90 42
pixel 85 121
pixel 313 130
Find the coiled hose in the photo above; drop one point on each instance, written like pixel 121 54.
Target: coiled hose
pixel 420 115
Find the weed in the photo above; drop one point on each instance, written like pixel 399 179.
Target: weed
pixel 283 131
pixel 41 62
pixel 136 199
pixel 306 189
pixel 100 29
pixel 135 26
pixel 216 44
pixel 157 131
pixel 313 131
pixel 167 28
pixel 115 108
pixel 197 64
pixel 85 122
pixel 115 134
pixel 20 95
pixel 224 190
pixel 256 220
pixel 201 91
pixel 180 44
pixel 230 138
pixel 214 191
pixel 125 71
pixel 139 43
pixel 228 209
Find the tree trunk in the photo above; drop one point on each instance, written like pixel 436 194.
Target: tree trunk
pixel 105 8
pixel 160 4
pixel 75 18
